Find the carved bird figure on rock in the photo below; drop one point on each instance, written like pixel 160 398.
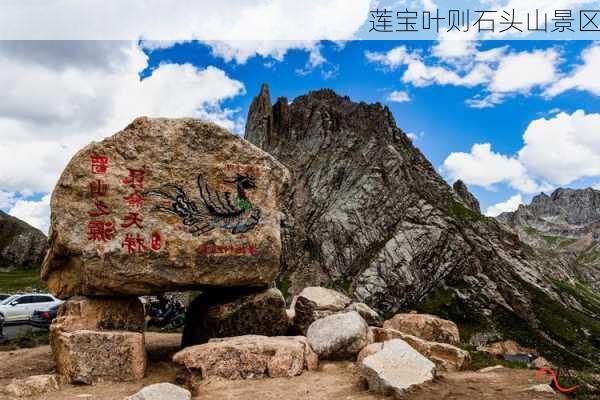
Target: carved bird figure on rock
pixel 214 209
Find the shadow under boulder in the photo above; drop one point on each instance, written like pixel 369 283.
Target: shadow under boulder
pixel 234 312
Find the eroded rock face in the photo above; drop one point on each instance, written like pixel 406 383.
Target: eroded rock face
pixel 339 336
pixel 165 205
pixel 428 327
pixel 314 303
pixel 446 357
pixel 395 368
pixel 90 356
pixel 225 314
pixel 21 245
pixel 32 386
pixel 463 192
pixel 249 357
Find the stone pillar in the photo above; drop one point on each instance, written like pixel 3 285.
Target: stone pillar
pixel 99 339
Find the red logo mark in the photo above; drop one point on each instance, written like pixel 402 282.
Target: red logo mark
pixel 542 371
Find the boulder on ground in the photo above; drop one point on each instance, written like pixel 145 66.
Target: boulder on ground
pixel 165 205
pixel 249 357
pixel 425 326
pixel 221 313
pixel 33 385
pixel 505 348
pixel 314 303
pixel 395 368
pixel 338 336
pixel 371 317
pixel 447 358
pixel 85 356
pixel 540 362
pixel 162 391
pixel 100 313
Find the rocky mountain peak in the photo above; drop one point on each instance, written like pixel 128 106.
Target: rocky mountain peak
pixel 21 245
pixel 463 192
pixel 367 214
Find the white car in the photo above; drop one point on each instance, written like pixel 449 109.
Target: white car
pixel 20 307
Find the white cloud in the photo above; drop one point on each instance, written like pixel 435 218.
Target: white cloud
pixel 58 96
pixel 520 72
pixel 35 213
pixel 563 148
pixel 398 96
pixel 483 167
pixel 584 77
pixel 393 58
pixel 507 206
pixel 6 199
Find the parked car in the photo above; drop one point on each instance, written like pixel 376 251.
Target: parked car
pixel 42 318
pixel 1 326
pixel 4 296
pixel 20 307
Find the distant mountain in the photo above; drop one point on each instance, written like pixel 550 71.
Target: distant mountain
pixel 568 223
pixel 369 215
pixel 21 245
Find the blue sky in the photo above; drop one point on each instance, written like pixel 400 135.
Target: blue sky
pixel 510 118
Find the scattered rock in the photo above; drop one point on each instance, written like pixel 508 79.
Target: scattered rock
pixel 221 313
pixel 505 348
pixel 446 357
pixel 491 369
pixel 425 326
pixel 339 336
pixel 33 385
pixel 249 357
pixel 150 209
pixel 89 356
pixel 543 388
pixel 540 362
pixel 395 368
pixel 162 391
pixel 314 303
pixel 369 315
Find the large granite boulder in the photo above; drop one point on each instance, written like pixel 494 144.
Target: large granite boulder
pixel 223 313
pixel 425 326
pixel 314 303
pixel 395 368
pixel 248 357
pixel 446 357
pixel 92 356
pixel 338 336
pixel 165 205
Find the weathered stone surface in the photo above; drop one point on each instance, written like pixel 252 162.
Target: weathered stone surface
pixel 428 327
pixel 339 336
pixel 505 348
pixel 100 313
pixel 249 357
pixel 21 245
pixel 491 369
pixel 233 313
pixel 463 192
pixel 165 205
pixel 371 317
pixel 314 303
pixel 395 368
pixel 447 358
pixel 162 391
pixel 32 386
pixel 542 388
pixel 540 362
pixel 367 212
pixel 85 356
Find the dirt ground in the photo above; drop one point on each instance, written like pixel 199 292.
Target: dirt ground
pixel 333 381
